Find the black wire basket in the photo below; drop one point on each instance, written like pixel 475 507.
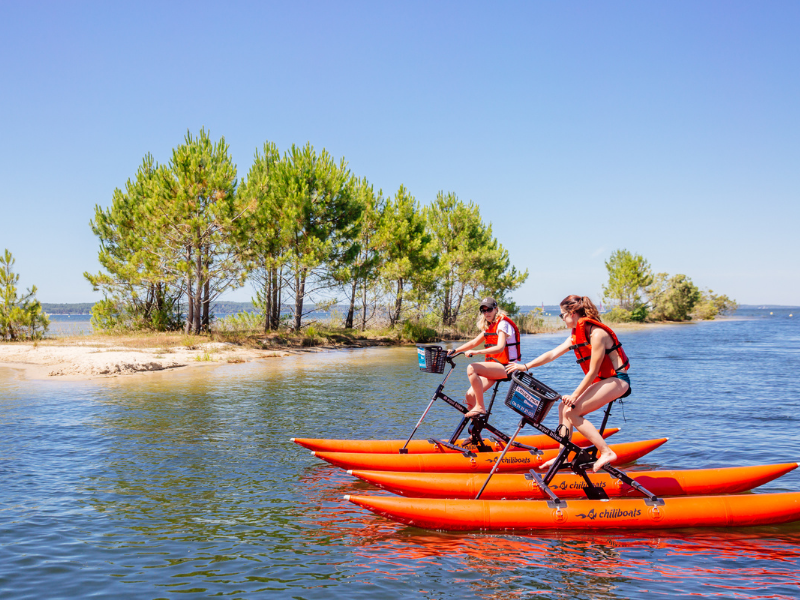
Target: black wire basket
pixel 530 397
pixel 431 358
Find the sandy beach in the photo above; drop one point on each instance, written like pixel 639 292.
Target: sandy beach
pixel 92 359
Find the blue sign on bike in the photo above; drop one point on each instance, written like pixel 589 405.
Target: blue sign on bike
pixel 421 357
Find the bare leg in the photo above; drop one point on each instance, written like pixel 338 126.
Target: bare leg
pixel 481 377
pixel 562 420
pixel 596 396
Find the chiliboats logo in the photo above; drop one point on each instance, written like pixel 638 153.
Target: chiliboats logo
pixel 576 485
pixel 510 460
pixel 611 513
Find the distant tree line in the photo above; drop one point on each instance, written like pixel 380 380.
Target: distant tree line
pixel 76 308
pixel 302 229
pixel 637 294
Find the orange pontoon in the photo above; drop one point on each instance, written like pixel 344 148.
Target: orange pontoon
pixel 481 462
pixel 543 442
pixel 515 486
pixel 616 513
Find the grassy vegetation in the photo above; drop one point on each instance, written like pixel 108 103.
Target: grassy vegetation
pixel 246 330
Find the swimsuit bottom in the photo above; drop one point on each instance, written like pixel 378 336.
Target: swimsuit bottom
pixel 622 375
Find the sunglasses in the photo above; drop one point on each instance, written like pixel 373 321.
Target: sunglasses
pixel 485 310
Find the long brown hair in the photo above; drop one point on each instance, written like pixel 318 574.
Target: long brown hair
pixel 581 305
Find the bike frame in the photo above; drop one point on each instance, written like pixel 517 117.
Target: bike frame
pixel 476 427
pixel 582 460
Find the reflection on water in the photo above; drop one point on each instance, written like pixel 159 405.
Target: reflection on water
pixel 168 484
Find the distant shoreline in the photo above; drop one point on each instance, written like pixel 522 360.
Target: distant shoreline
pixel 94 356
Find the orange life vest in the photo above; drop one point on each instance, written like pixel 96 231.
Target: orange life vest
pixel 583 349
pixel 490 338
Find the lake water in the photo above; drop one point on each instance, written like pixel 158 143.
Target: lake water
pixel 185 485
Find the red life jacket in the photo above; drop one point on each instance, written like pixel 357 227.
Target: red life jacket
pixel 490 338
pixel 583 349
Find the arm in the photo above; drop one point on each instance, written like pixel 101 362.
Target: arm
pixel 597 339
pixel 470 344
pixel 501 343
pixel 542 359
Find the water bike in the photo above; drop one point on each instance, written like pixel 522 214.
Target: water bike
pixel 453 458
pixel 532 400
pixel 472 462
pixel 616 513
pixel 433 359
pixel 515 486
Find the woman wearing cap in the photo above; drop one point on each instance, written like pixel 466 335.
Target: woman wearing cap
pixel 604 364
pixel 500 338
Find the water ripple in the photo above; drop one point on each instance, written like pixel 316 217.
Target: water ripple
pixel 185 484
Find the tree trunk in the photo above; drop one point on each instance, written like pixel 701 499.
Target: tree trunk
pixel 398 303
pixel 348 322
pixel 207 294
pixel 364 307
pixel 277 286
pixel 189 296
pixel 300 291
pixel 457 309
pixel 267 301
pixel 207 306
pixel 198 297
pixel 446 306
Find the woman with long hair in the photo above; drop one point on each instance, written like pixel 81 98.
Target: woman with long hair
pixel 604 364
pixel 500 338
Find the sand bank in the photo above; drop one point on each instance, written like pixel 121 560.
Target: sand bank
pixel 80 361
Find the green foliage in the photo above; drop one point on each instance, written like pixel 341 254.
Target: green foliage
pixel 360 274
pixel 107 315
pixel 204 357
pixel 259 235
pixel 21 317
pixel 628 277
pixel 419 332
pixel 673 298
pixel 138 291
pixel 472 262
pixel 193 218
pixel 242 322
pixel 320 218
pixel 618 315
pixel 408 252
pixel 711 305
pixel 301 227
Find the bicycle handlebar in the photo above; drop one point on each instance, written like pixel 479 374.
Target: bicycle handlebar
pixel 449 358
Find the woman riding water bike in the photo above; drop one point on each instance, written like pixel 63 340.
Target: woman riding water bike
pixel 604 363
pixel 500 337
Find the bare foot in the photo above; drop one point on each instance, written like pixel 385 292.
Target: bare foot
pixel 547 464
pixel 604 458
pixel 475 411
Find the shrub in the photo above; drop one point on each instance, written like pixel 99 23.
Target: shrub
pixel 106 315
pixel 618 315
pixel 418 332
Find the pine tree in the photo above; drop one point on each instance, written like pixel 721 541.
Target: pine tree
pixel 193 223
pixel 472 262
pixel 319 220
pixel 409 252
pixel 20 316
pixel 259 234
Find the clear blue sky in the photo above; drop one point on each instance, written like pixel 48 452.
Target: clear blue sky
pixel 671 129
